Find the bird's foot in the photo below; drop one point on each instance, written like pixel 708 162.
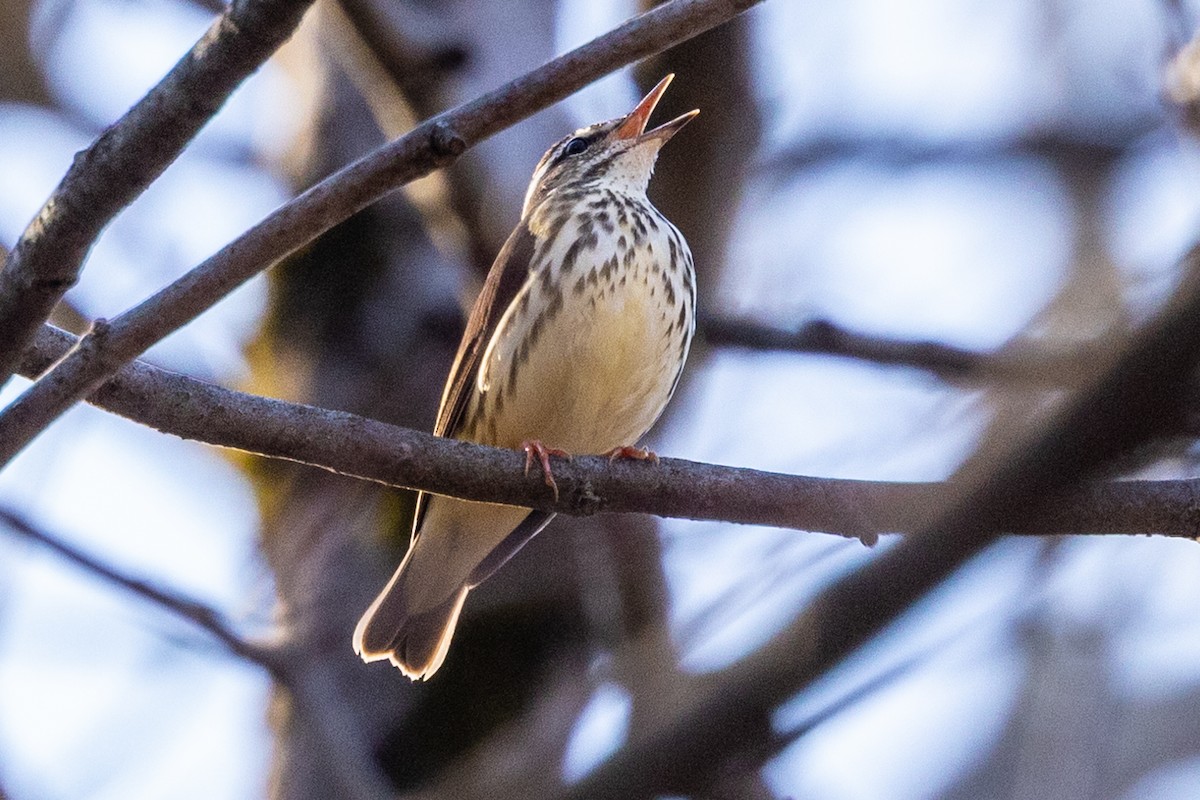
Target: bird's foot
pixel 534 448
pixel 635 453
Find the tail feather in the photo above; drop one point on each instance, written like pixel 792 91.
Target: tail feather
pixel 412 620
pixel 415 641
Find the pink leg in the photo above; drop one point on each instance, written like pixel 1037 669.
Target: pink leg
pixel 635 453
pixel 534 448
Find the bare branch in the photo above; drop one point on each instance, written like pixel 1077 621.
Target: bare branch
pixel 195 612
pixel 127 158
pixel 1140 396
pixel 434 143
pixel 1016 363
pixel 317 699
pixel 395 456
pixel 1021 362
pixel 1095 145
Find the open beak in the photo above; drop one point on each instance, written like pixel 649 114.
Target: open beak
pixel 634 125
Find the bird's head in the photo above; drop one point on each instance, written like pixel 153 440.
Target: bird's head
pixel 618 154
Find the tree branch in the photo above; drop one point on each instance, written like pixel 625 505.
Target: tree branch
pixel 1015 363
pixel 1087 146
pixel 394 456
pixel 1139 396
pixel 1019 362
pixel 127 158
pixel 195 612
pixel 434 143
pixel 325 712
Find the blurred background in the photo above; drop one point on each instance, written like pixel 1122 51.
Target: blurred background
pixel 971 173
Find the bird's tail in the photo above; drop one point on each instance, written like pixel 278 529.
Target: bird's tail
pixel 460 544
pixel 414 639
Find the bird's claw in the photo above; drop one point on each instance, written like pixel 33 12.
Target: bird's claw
pixel 536 448
pixel 635 453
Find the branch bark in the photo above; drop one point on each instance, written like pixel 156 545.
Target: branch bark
pixel 1141 394
pixel 127 158
pixel 1016 363
pixel 197 613
pixel 395 456
pixel 435 143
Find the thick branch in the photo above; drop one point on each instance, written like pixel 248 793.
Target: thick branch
pixel 387 454
pixel 126 158
pixel 432 144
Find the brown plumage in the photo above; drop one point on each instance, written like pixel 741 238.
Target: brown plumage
pixel 577 340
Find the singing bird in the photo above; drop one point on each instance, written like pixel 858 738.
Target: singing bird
pixel 575 344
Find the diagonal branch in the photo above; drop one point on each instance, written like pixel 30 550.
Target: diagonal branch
pixel 394 456
pixel 127 158
pixel 195 612
pixel 317 698
pixel 434 143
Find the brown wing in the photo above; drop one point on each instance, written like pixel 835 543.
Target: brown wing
pixel 508 274
pixel 506 277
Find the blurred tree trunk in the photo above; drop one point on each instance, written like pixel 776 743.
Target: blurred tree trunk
pixel 345 331
pixel 22 81
pixel 358 322
pixel 701 177
pixel 445 52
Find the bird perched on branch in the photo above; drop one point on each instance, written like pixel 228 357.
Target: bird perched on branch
pixel 576 342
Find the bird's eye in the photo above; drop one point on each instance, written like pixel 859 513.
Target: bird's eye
pixel 575 147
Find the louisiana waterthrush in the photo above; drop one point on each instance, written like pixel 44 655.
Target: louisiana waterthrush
pixel 577 340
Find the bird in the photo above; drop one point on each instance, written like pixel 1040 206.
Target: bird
pixel 574 346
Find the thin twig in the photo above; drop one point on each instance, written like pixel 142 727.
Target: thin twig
pixel 127 158
pixel 394 456
pixel 433 144
pixel 1015 363
pixel 1101 144
pixel 312 691
pixel 199 614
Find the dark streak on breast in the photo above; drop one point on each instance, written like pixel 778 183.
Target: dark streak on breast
pixel 640 227
pixel 557 225
pixel 608 269
pixel 569 258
